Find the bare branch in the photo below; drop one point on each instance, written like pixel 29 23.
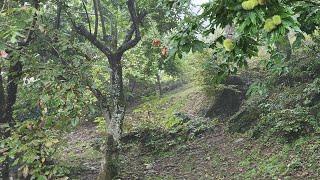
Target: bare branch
pixel 84 32
pixel 102 99
pixel 58 17
pixel 103 20
pixel 87 15
pixel 131 31
pixel 32 28
pixel 2 97
pixel 96 16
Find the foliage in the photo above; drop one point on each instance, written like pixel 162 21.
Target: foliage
pixel 246 25
pixel 290 124
pixel 101 124
pixel 30 148
pixel 257 88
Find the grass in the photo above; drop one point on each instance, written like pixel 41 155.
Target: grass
pixel 158 112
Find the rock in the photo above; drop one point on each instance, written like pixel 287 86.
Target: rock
pixel 149 166
pixel 238 140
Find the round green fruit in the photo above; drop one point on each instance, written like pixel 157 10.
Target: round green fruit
pixel 269 25
pixel 228 44
pixel 276 20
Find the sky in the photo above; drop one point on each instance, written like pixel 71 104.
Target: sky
pixel 197 3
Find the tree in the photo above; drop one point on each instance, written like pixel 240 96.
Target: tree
pixel 108 45
pixel 17 42
pixel 254 23
pixel 8 99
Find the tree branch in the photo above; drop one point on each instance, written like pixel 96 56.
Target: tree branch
pixel 84 32
pixel 2 97
pixel 103 20
pixel 136 20
pixel 32 28
pixel 80 29
pixel 102 99
pixel 87 15
pixel 58 17
pixel 131 31
pixel 96 16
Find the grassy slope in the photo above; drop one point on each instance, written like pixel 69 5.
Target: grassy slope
pixel 220 155
pixel 168 148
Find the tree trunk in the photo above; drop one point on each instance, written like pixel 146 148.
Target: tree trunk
pixel 118 99
pixel 2 98
pixel 12 89
pixel 159 84
pixel 114 125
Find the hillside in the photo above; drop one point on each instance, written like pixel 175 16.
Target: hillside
pixel 273 134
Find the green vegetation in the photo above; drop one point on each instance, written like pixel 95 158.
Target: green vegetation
pixel 147 89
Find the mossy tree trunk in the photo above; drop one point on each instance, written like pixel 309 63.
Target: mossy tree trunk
pixel 114 123
pixel 108 45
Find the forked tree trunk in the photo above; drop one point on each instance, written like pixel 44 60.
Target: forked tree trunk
pixel 114 125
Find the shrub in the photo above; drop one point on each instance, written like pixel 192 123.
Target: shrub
pixel 29 150
pixel 290 124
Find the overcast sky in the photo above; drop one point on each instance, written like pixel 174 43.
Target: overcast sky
pixel 198 3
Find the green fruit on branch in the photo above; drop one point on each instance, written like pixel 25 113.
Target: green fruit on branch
pixel 228 44
pixel 269 25
pixel 249 5
pixel 276 20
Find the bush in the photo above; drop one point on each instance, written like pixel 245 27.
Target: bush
pixel 29 150
pixel 290 124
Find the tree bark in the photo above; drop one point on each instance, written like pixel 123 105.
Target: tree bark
pixel 2 98
pixel 118 99
pixel 12 89
pixel 114 124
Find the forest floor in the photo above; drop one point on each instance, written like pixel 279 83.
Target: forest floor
pixel 211 154
pixel 165 149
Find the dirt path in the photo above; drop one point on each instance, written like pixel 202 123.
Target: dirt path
pixel 212 155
